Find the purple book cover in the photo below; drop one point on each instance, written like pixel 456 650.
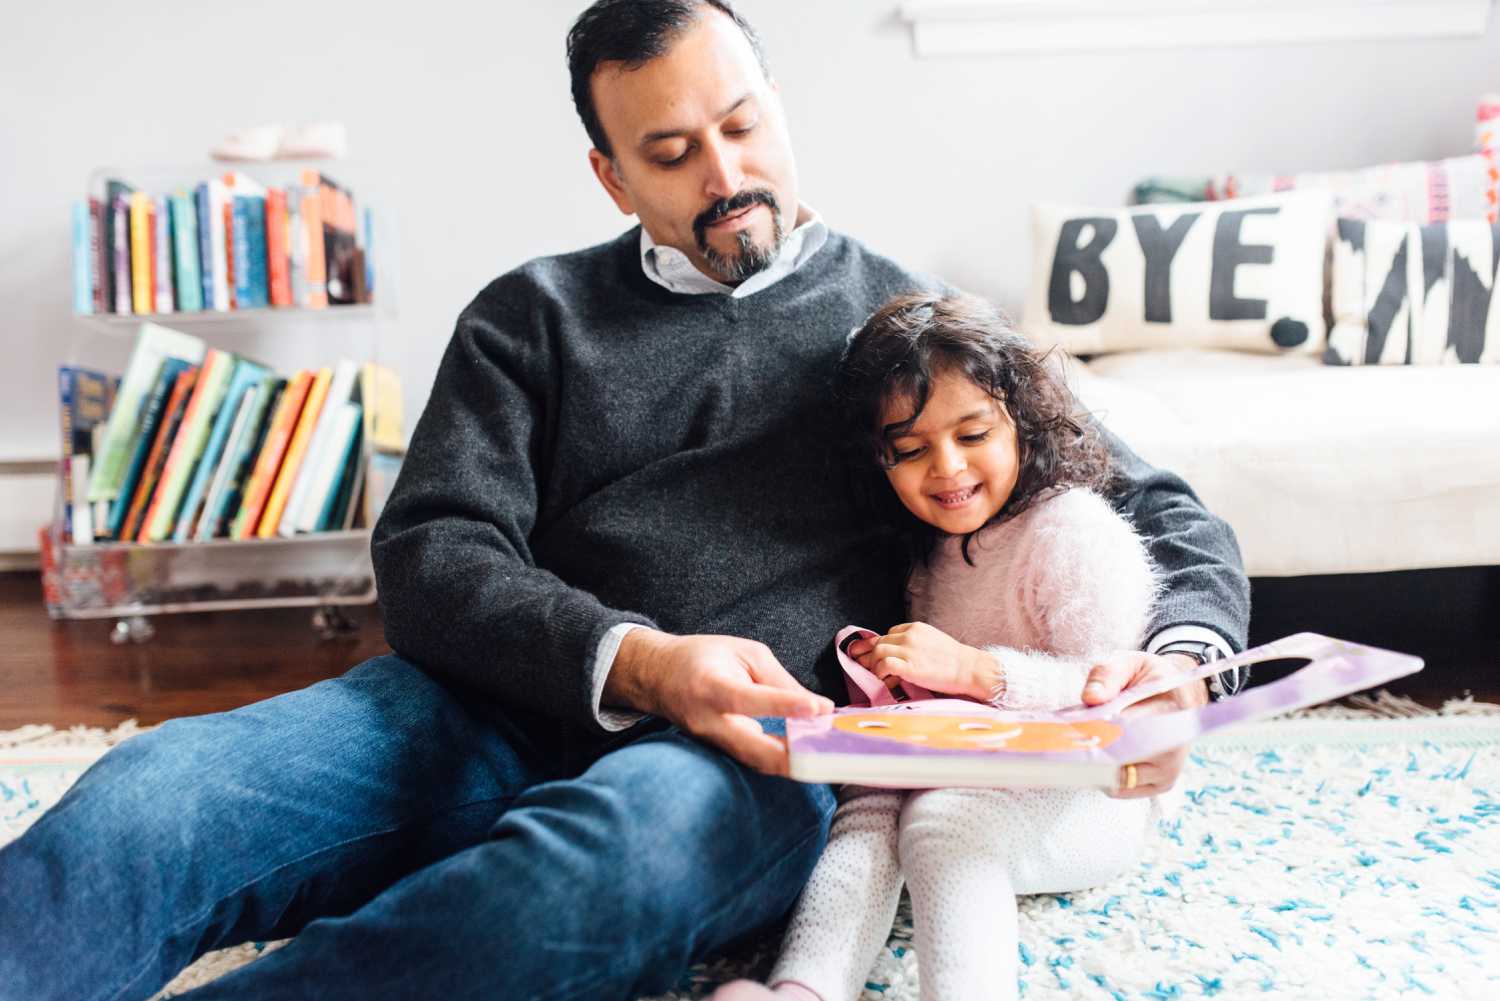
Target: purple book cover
pixel 955 742
pixel 120 226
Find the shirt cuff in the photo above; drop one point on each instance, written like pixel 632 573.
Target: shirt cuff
pixel 1220 685
pixel 612 720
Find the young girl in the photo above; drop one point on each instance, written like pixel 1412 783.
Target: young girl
pixel 1021 573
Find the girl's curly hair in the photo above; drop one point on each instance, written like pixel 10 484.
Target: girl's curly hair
pixel 914 338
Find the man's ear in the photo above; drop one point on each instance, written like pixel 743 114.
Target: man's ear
pixel 609 177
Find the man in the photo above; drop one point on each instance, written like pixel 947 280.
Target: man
pixel 617 543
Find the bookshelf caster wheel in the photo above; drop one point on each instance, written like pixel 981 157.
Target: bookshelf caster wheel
pixel 132 629
pixel 331 622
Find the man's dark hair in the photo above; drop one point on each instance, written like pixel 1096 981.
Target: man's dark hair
pixel 633 32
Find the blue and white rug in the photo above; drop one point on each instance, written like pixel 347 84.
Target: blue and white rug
pixel 1310 858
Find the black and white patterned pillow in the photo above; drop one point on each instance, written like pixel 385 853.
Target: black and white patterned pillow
pixel 1244 274
pixel 1415 295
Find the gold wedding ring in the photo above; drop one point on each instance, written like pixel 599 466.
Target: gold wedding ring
pixel 1130 776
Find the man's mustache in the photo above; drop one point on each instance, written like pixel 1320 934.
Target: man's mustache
pixel 728 206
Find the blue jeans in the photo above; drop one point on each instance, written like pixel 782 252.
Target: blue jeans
pixel 417 841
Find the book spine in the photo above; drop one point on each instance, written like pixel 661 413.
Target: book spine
pixel 140 446
pixel 141 284
pixel 312 230
pixel 276 247
pixel 151 473
pixel 219 246
pixel 161 255
pixel 240 228
pixel 255 257
pixel 258 487
pixel 83 256
pixel 198 524
pixel 65 464
pixel 296 452
pixel 300 509
pixel 296 238
pixel 186 447
pixel 332 469
pixel 225 512
pixel 120 269
pixel 205 245
pixel 230 279
pixel 186 245
pixel 82 514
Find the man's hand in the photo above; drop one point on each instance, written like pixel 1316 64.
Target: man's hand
pixel 713 687
pixel 924 654
pixel 1110 677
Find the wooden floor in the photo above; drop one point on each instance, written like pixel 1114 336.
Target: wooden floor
pixel 67 673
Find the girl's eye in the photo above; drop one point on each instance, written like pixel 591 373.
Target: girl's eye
pixel 741 131
pixel 974 439
pixel 903 456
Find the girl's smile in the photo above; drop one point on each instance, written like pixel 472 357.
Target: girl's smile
pixel 956 465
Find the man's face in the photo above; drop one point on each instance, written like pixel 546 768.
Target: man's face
pixel 701 151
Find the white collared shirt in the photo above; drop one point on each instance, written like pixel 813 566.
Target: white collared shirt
pixel 672 270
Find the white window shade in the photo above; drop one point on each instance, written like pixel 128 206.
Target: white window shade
pixel 972 27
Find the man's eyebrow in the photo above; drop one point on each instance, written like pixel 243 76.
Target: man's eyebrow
pixel 651 137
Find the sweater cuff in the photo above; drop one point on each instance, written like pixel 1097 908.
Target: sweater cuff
pixel 1033 681
pixel 612 720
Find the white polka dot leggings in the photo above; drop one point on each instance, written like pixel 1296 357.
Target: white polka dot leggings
pixel 965 854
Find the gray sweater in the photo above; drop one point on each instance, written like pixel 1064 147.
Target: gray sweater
pixel 599 450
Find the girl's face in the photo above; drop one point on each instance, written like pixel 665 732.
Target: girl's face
pixel 958 464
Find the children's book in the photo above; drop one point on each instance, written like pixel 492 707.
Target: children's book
pixel 929 742
pixel 152 345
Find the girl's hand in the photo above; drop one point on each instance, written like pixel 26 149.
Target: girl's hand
pixel 924 654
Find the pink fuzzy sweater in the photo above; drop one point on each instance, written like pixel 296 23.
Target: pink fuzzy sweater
pixel 1050 589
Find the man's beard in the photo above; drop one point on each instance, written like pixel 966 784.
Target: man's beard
pixel 748 258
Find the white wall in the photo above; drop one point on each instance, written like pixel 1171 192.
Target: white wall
pixel 459 116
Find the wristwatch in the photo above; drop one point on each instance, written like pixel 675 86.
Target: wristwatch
pixel 1206 653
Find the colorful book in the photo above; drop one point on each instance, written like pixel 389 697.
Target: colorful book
pixel 342 507
pixel 302 509
pixel 113 237
pixel 316 270
pixel 227 508
pixel 345 269
pixel 931 743
pixel 120 266
pixel 296 250
pixel 244 376
pixel 99 262
pixel 83 260
pixel 272 450
pixel 296 453
pixel 142 280
pixel 276 247
pixel 380 392
pixel 185 251
pixel 201 524
pixel 161 447
pixel 161 256
pixel 215 203
pixel 153 344
pixel 85 398
pixel 140 446
pixel 327 474
pixel 187 447
pixel 247 240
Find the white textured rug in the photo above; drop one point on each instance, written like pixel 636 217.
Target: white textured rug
pixel 1309 858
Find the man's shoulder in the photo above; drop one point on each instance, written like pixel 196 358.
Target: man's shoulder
pixel 855 260
pixel 566 277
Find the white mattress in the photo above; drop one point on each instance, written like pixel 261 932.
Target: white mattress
pixel 1319 469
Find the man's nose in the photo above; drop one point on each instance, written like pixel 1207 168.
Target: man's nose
pixel 723 177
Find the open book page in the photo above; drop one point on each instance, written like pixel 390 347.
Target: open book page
pixel 927 743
